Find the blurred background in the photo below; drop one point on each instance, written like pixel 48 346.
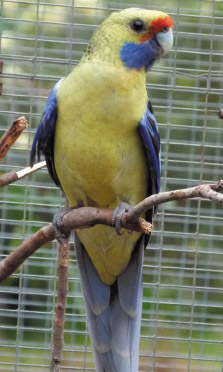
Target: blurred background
pixel 182 320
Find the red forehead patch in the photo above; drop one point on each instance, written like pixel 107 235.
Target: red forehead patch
pixel 158 25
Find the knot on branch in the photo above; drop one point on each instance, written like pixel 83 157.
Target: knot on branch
pixel 218 187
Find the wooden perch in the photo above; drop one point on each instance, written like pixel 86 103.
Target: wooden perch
pixel 11 135
pixel 85 217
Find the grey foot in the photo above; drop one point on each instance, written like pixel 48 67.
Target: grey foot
pixel 117 216
pixel 61 232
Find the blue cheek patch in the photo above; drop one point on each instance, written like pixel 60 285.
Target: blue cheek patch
pixel 137 56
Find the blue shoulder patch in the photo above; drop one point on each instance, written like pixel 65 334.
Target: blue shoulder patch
pixel 44 138
pixel 137 56
pixel 149 133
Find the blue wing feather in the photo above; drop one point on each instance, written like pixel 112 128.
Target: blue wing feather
pixel 44 138
pixel 149 133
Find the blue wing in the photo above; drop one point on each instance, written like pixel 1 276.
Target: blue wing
pixel 44 138
pixel 149 133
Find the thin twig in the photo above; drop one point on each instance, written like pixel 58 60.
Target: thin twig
pixel 87 216
pixel 206 191
pixel 13 176
pixel 11 135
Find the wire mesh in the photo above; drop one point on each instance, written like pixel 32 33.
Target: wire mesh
pixel 182 325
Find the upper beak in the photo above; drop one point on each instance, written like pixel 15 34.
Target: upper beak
pixel 165 39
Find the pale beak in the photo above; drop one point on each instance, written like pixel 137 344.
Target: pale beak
pixel 165 39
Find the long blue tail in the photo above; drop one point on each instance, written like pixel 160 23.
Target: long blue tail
pixel 113 312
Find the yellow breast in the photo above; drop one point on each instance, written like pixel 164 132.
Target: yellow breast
pixel 99 155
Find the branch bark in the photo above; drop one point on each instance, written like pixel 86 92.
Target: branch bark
pixel 87 217
pixel 11 135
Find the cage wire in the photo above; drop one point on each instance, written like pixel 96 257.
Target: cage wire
pixel 182 318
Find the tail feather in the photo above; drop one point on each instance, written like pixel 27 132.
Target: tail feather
pixel 130 281
pixel 99 329
pixel 121 329
pixel 113 312
pixel 96 292
pixel 107 362
pixel 121 363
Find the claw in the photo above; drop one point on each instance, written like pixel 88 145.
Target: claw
pixel 117 216
pixel 61 232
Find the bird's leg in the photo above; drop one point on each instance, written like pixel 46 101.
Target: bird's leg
pixel 117 216
pixel 61 232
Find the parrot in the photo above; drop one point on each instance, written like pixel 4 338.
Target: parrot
pixel 99 136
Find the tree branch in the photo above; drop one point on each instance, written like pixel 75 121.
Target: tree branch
pixel 85 217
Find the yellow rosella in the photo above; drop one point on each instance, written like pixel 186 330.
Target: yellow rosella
pixel 100 139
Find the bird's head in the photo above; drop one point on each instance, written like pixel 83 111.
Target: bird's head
pixel 132 37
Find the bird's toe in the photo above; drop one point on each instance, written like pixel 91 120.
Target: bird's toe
pixel 61 232
pixel 117 216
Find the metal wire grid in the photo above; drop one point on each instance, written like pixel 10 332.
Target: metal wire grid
pixel 182 306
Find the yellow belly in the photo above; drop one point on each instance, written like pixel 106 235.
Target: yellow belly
pixel 99 155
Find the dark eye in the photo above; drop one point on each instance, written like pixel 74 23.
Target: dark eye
pixel 137 25
pixel 165 29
